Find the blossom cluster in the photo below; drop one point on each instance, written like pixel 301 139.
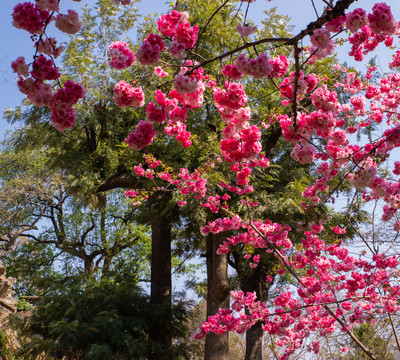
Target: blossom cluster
pixel 40 93
pixel 121 56
pixel 365 286
pixel 34 18
pixel 125 95
pixel 175 25
pixel 142 136
pixel 368 31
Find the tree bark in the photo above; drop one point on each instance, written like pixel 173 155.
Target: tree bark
pixel 254 342
pixel 254 280
pixel 217 346
pixel 89 265
pixel 160 292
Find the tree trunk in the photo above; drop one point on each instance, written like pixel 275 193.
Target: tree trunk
pixel 254 280
pixel 89 265
pixel 161 282
pixel 217 346
pixel 254 342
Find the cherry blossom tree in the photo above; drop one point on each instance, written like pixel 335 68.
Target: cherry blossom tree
pixel 332 291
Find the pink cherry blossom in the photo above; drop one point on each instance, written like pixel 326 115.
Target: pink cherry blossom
pixel 121 56
pixel 184 84
pixel 320 38
pixel 279 66
pixel 381 20
pixel 186 34
pixel 69 23
pixel 177 50
pixel 125 95
pixel 51 5
pixel 167 23
pixel 149 51
pixel 157 115
pixel 20 67
pixel 142 136
pixel 44 69
pixel 232 72
pixel 356 19
pixel 257 68
pixel 30 17
pixel 160 72
pixel 49 47
pixel 246 30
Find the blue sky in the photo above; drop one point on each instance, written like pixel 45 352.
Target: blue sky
pixel 17 42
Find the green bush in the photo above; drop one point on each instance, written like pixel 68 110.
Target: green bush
pixel 100 321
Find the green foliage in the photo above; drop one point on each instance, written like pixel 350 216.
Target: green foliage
pixel 23 305
pixel 3 344
pixel 376 344
pixel 105 320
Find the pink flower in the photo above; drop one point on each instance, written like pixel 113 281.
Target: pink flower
pixel 233 98
pixel 396 61
pixel 69 94
pixel 49 47
pixel 130 193
pixel 44 69
pixel 303 155
pixel 338 230
pixel 336 25
pixel 142 136
pixel 257 68
pixel 29 17
pixel 149 51
pixel 167 23
pixel 63 118
pixel 117 2
pixel 157 115
pixel 160 72
pixel 51 5
pixel 121 56
pixel 70 23
pixel 246 31
pixel 37 92
pixel 62 113
pixel 186 35
pixel 320 38
pixel 20 67
pixel 325 100
pixel 125 95
pixel 184 84
pixel 396 170
pixel 381 20
pixel 232 72
pixel 177 50
pixel 356 20
pixel 279 66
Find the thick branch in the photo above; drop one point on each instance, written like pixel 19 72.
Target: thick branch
pixel 126 181
pixel 336 11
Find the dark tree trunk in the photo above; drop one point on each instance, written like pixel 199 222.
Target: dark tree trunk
pixel 254 342
pixel 254 280
pixel 161 282
pixel 217 346
pixel 106 264
pixel 89 265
